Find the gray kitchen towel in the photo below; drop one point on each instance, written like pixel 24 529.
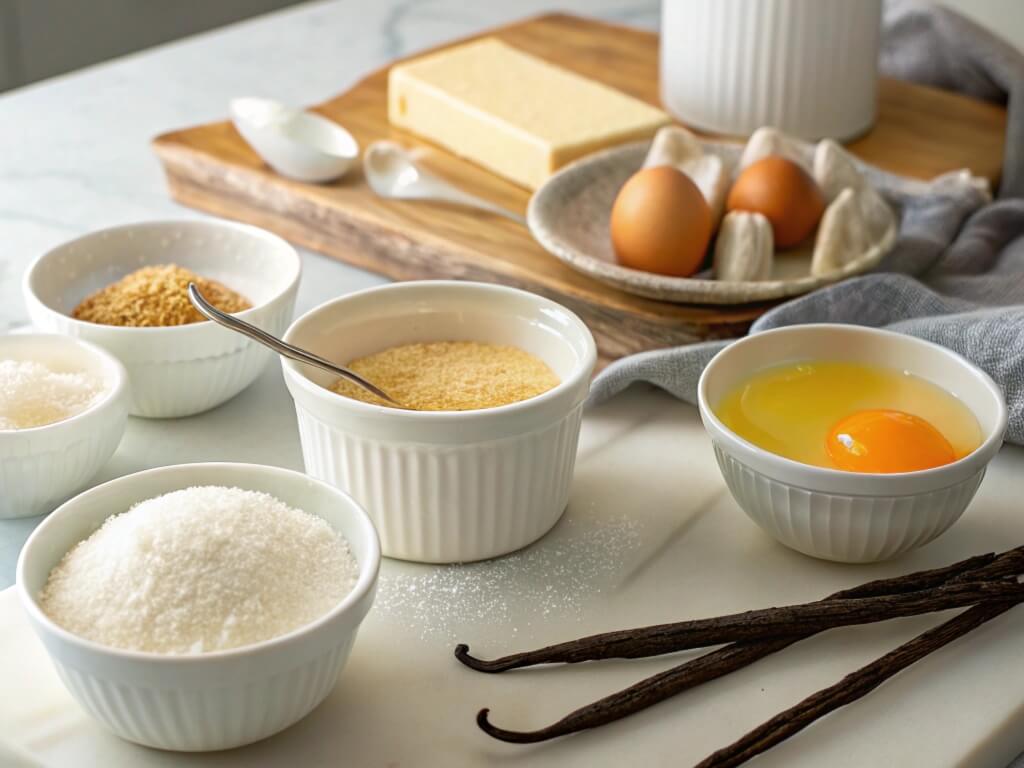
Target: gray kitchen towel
pixel 956 273
pixel 935 46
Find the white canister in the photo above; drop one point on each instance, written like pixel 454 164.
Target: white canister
pixel 807 67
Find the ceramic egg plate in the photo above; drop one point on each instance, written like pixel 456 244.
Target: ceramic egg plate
pixel 568 215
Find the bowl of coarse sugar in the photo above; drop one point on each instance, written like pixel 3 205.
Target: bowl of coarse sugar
pixel 231 590
pixel 491 381
pixel 125 289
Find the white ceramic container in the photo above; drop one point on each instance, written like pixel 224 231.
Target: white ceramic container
pixel 179 370
pixel 847 516
pixel 42 466
pixel 301 145
pixel 211 700
pixel 445 486
pixel 807 67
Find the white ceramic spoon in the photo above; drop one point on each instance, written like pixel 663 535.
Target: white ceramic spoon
pixel 300 145
pixel 392 172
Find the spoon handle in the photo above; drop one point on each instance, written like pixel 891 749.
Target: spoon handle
pixel 282 348
pixel 459 197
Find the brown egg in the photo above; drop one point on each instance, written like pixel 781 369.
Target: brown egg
pixel 784 193
pixel 661 223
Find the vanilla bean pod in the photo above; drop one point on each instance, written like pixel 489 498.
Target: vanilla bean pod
pixel 852 687
pixel 712 665
pixel 759 624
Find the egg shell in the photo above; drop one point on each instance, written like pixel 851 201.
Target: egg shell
pixel 661 223
pixel 782 192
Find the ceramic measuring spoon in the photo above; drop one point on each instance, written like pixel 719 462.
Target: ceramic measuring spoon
pixel 392 172
pixel 301 145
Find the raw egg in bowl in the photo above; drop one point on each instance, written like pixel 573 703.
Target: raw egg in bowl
pixel 850 443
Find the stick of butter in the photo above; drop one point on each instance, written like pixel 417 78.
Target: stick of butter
pixel 510 112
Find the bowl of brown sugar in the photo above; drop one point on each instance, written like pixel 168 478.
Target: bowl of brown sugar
pixel 477 459
pixel 125 289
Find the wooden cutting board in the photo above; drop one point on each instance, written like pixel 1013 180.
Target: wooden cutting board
pixel 920 132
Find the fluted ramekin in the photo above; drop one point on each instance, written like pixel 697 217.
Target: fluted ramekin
pixel 849 516
pixel 205 701
pixel 178 370
pixel 806 67
pixel 447 486
pixel 42 466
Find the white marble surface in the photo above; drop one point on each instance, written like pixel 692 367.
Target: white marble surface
pixel 650 533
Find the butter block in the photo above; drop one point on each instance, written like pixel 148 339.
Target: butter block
pixel 511 112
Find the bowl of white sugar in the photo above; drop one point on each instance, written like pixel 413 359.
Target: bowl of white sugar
pixel 201 606
pixel 63 409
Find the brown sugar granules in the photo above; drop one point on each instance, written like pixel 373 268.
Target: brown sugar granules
pixel 156 296
pixel 451 376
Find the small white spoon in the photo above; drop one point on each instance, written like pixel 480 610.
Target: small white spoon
pixel 392 172
pixel 300 145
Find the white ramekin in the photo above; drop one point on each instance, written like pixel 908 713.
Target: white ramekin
pixel 42 466
pixel 847 516
pixel 448 486
pixel 180 370
pixel 806 67
pixel 212 700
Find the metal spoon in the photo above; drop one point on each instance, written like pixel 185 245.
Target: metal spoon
pixel 392 172
pixel 282 348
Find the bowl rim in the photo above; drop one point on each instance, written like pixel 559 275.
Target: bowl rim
pixel 125 330
pixel 369 569
pixel 581 370
pixel 841 482
pixel 109 397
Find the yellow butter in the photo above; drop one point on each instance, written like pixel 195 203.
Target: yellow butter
pixel 511 112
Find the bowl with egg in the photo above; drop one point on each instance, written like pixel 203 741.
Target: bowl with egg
pixel 63 409
pixel 124 289
pixel 493 379
pixel 200 606
pixel 850 443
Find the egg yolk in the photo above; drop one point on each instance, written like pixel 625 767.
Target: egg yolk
pixel 887 441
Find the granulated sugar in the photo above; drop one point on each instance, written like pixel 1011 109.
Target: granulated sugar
pixel 201 569
pixel 32 394
pixel 562 574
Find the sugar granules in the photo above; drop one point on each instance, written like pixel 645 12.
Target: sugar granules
pixel 451 376
pixel 561 574
pixel 201 569
pixel 156 296
pixel 32 395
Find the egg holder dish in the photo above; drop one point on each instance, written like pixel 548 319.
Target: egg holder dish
pixel 174 370
pixel 206 701
pixel 848 516
pixel 569 216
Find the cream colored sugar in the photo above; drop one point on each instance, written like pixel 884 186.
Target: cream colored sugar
pixel 789 409
pixel 511 112
pixel 451 376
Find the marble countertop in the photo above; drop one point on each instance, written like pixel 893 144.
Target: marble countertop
pixel 76 158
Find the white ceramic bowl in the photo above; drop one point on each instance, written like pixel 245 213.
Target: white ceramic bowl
pixel 42 466
pixel 447 486
pixel 847 516
pixel 212 700
pixel 180 370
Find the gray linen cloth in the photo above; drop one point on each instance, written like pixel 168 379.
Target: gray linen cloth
pixel 956 273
